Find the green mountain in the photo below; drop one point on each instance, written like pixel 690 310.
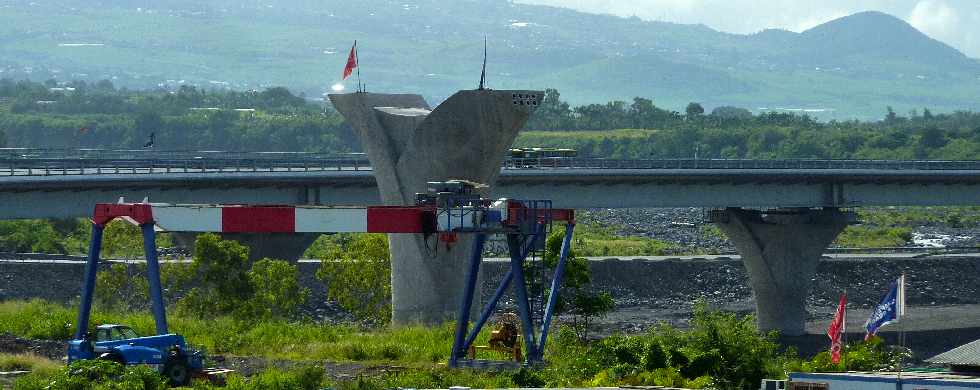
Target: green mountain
pixel 851 67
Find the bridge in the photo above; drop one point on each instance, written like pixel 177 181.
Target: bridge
pixel 43 184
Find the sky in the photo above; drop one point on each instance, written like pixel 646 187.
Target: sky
pixel 955 22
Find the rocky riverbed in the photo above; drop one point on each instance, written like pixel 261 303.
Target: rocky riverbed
pixel 687 229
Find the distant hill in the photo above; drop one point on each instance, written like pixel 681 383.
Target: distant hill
pixel 850 67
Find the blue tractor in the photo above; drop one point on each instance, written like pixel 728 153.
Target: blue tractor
pixel 165 351
pixel 118 343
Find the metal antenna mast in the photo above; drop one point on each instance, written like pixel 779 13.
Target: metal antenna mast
pixel 483 73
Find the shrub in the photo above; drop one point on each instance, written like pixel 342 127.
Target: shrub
pixel 577 295
pixel 866 355
pixel 358 277
pixel 276 290
pixel 96 375
pixel 305 378
pixel 223 282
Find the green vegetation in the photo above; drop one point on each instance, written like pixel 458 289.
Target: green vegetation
pixel 96 375
pixel 357 271
pixel 593 240
pixel 870 355
pixel 720 350
pixel 578 298
pixel 873 237
pixel 274 338
pixel 28 362
pixel 71 236
pixel 891 227
pixel 594 58
pixel 100 116
pixel 725 135
pixel 955 217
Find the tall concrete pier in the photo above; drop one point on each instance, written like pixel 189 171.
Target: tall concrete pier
pixel 409 144
pixel 780 250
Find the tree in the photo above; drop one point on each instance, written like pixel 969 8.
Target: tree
pixel 358 277
pixel 694 110
pixel 891 117
pixel 276 289
pixel 731 113
pixel 223 283
pixel 577 295
pixel 552 113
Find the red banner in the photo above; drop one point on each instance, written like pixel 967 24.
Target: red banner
pixel 837 329
pixel 351 61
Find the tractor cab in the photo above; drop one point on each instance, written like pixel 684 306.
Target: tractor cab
pixel 112 332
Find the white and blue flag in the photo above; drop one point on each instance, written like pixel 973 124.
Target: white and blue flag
pixel 891 308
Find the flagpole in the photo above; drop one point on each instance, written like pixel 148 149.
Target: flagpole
pixel 357 65
pixel 844 334
pixel 900 308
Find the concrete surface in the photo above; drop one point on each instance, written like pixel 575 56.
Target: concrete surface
pixel 465 137
pixel 780 251
pixel 68 196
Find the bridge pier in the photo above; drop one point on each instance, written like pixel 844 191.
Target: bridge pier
pixel 283 246
pixel 780 249
pixel 466 137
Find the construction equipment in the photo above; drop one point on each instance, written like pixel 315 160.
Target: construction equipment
pixel 167 353
pixel 447 209
pixel 505 338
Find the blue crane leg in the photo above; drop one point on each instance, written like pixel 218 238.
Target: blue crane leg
pixel 501 289
pixel 555 286
pixel 153 274
pixel 463 318
pixel 488 310
pixel 88 289
pixel 520 292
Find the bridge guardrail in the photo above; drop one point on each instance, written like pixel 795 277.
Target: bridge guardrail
pixel 599 163
pixel 40 162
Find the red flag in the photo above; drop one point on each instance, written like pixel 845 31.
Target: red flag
pixel 837 329
pixel 351 61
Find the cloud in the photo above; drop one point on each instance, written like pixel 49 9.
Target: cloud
pixel 936 18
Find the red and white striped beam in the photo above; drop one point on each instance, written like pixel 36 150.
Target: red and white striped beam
pixel 320 219
pixel 273 219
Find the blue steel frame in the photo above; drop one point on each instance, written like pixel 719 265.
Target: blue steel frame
pixel 518 253
pixel 152 273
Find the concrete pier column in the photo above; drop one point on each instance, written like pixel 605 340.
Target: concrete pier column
pixel 466 137
pixel 283 246
pixel 780 250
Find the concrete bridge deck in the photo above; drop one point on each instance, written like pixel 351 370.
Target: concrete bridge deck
pixel 30 191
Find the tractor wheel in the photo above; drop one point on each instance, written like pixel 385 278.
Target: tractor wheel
pixel 177 372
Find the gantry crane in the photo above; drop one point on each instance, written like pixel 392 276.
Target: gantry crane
pixel 446 210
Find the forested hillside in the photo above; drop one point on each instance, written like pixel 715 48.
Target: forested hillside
pixel 847 68
pixel 731 132
pixel 81 115
pixel 101 116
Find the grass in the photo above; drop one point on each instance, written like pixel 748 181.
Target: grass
pixel 592 240
pixel 28 362
pixel 276 339
pixel 39 367
pixel 528 137
pixel 918 216
pixel 873 237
